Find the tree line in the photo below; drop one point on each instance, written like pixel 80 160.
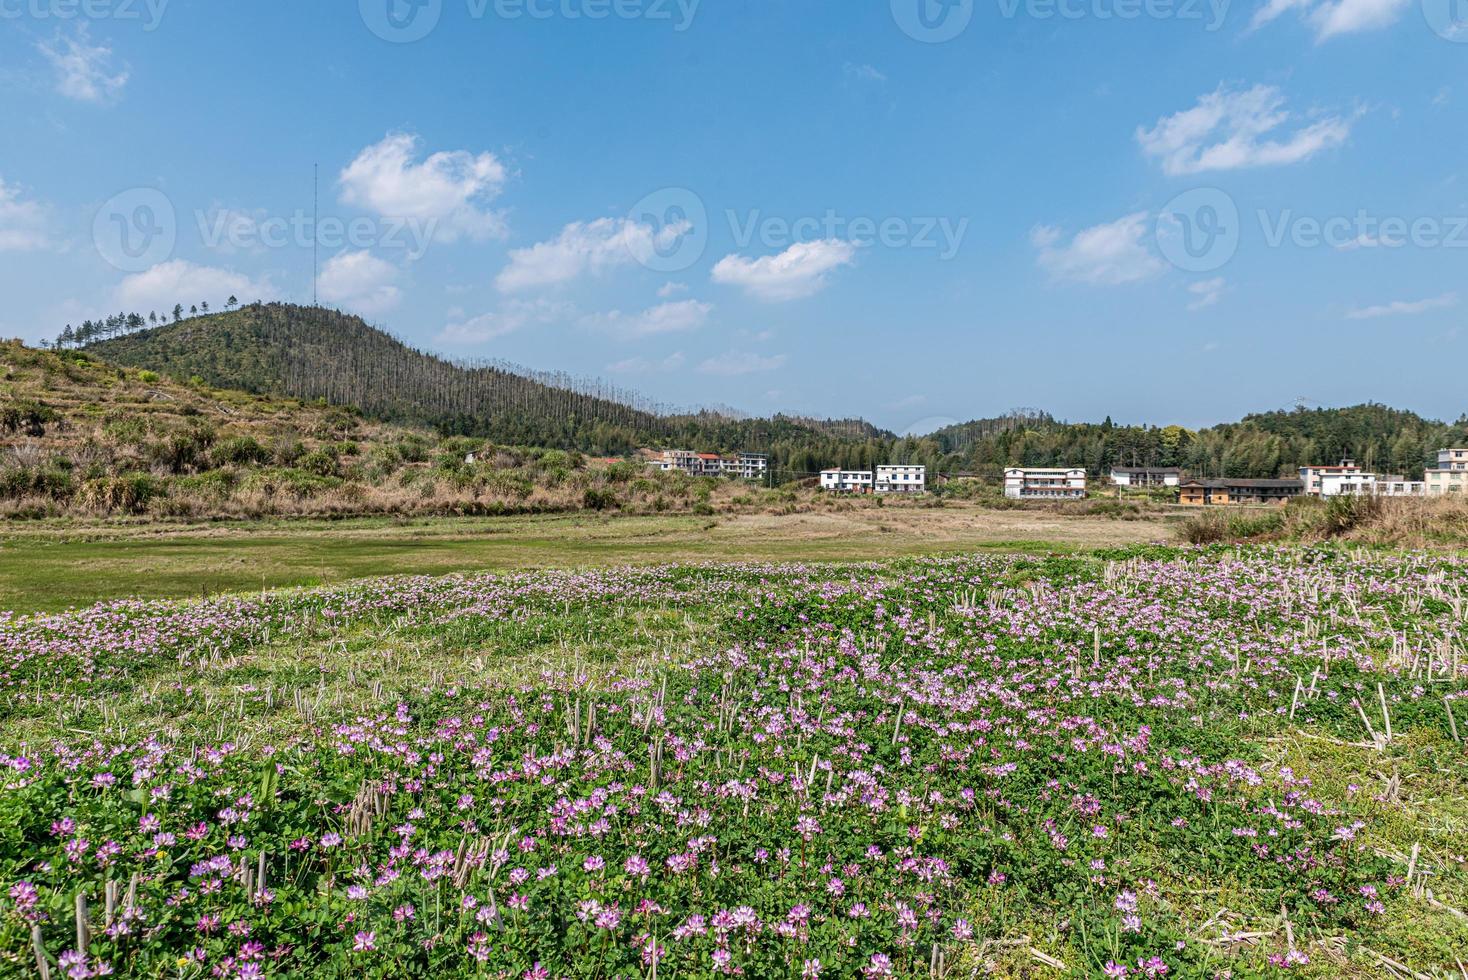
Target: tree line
pixel 118 324
pixel 313 353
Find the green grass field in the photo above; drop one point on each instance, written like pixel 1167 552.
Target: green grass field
pixel 1154 763
pixel 50 566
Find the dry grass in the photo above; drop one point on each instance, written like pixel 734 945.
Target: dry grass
pixel 55 564
pixel 1436 523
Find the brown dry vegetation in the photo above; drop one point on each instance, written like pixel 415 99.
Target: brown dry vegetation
pixel 1396 522
pixel 80 438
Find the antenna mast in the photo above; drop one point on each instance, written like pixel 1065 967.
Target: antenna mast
pixel 315 219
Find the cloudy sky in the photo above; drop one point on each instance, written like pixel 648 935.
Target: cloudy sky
pixel 912 210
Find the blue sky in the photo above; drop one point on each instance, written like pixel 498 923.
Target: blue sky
pixel 1163 211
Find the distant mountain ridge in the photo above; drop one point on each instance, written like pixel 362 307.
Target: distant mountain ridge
pixel 314 353
pixel 319 354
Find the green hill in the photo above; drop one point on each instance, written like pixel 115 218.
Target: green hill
pixel 315 354
pixel 1261 445
pixel 82 437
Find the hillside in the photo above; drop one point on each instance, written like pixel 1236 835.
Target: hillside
pixel 314 353
pixel 80 437
pixel 318 354
pixel 1261 445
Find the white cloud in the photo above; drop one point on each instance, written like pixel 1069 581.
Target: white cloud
pixel 181 281
pixel 671 289
pixel 1355 16
pixel 447 194
pixel 735 363
pixel 864 73
pixel 1228 130
pixel 1105 255
pixel 476 330
pixel 1207 293
pixel 1273 9
pixel 360 282
pixel 688 314
pixel 517 314
pixel 795 273
pixel 1404 307
pixel 24 224
pixel 84 71
pixel 1364 240
pixel 584 248
pixel 642 365
pixel 1330 18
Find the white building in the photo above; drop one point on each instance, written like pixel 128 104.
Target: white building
pixel 1314 476
pixel 1146 476
pixel 902 479
pixel 751 466
pixel 847 481
pixel 1063 483
pixel 1451 475
pixel 1368 485
pixel 745 466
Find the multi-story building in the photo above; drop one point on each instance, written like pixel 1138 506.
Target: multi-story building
pixel 847 481
pixel 901 479
pixel 1452 459
pixel 1451 475
pixel 1064 482
pixel 1214 493
pixel 745 466
pixel 1146 476
pixel 751 466
pixel 1369 485
pixel 1312 476
pixel 679 459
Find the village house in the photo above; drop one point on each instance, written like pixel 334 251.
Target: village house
pixel 847 481
pixel 1314 476
pixel 1451 474
pixel 1214 493
pixel 745 466
pixel 901 479
pixel 1146 476
pixel 1063 483
pixel 1369 485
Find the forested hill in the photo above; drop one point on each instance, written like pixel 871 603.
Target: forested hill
pixel 1262 445
pixel 319 354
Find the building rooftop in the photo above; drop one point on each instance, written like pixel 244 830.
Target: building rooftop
pixel 1250 484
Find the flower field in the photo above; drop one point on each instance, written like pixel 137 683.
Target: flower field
pixel 1145 764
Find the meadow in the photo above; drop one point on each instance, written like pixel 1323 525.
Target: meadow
pixel 49 566
pixel 1143 762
